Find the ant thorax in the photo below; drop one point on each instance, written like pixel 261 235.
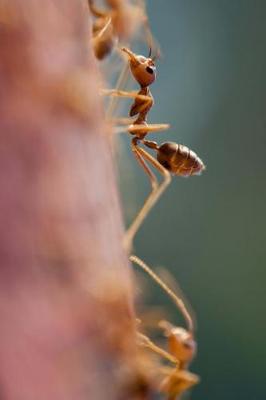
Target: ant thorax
pixel 142 107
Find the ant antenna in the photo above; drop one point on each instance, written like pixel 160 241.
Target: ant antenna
pixel 157 55
pixel 177 301
pixel 149 55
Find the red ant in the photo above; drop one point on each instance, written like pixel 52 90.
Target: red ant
pixel 119 22
pixel 172 158
pixel 174 380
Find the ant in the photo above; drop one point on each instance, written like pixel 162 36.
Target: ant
pixel 181 344
pixel 119 22
pixel 172 158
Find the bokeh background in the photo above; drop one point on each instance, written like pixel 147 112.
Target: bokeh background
pixel 209 231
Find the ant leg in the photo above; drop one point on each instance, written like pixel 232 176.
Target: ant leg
pixel 123 93
pixel 129 235
pixel 121 81
pixel 176 381
pixel 121 121
pixel 153 197
pixel 135 128
pixel 145 100
pixel 103 30
pixel 96 12
pixel 166 326
pixel 150 40
pixel 146 342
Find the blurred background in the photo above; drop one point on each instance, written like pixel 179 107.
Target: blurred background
pixel 209 231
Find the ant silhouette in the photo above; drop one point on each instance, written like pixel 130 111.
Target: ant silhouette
pixel 181 344
pixel 172 158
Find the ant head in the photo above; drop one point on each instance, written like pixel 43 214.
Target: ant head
pixel 143 68
pixel 180 341
pixel 182 344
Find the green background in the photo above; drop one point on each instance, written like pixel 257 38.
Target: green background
pixel 209 231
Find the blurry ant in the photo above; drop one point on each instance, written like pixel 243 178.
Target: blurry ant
pixel 117 23
pixel 181 344
pixel 172 158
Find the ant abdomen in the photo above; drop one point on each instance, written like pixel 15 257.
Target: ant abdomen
pixel 179 159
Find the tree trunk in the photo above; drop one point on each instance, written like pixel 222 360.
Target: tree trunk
pixel 67 327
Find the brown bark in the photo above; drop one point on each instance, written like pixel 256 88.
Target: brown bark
pixel 67 329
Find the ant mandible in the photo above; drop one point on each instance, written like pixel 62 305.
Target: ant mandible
pixel 172 158
pixel 181 344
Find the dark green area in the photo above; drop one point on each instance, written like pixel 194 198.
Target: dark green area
pixel 209 231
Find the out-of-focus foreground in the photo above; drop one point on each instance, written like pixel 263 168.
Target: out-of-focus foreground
pixel 67 327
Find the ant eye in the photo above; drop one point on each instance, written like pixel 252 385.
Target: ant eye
pixel 149 70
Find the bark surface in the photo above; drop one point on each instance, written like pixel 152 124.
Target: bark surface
pixel 66 323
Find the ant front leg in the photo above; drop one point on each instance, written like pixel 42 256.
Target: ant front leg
pixel 157 190
pixel 136 129
pixel 145 341
pixel 123 93
pixel 145 102
pixel 121 82
pixel 176 381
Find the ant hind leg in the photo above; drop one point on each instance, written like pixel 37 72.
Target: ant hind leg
pixel 157 190
pixel 166 326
